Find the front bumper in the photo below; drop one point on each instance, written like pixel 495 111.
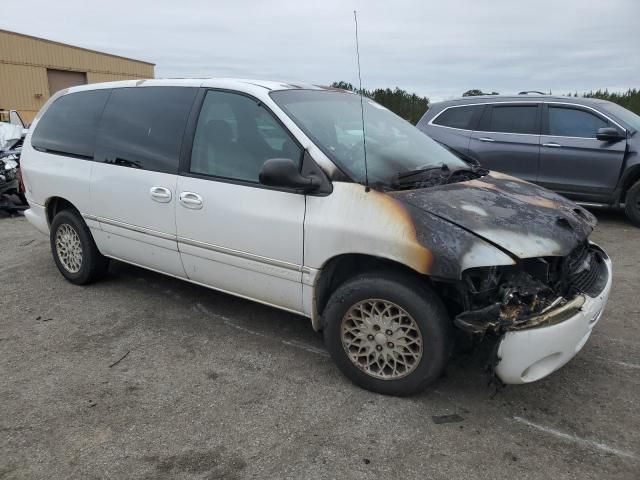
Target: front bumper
pixel 528 355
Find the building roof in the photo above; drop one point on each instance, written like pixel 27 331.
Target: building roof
pixel 74 46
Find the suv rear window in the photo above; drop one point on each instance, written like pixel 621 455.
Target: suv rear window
pixel 458 117
pixel 70 123
pixel 511 119
pixel 142 127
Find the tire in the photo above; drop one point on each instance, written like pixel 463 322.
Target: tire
pixel 82 263
pixel 426 319
pixel 632 204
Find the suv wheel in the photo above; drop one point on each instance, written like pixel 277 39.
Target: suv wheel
pixel 388 333
pixel 632 204
pixel 74 250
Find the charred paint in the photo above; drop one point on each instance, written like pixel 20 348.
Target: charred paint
pixel 416 254
pixel 521 218
pixel 370 223
pixel 454 249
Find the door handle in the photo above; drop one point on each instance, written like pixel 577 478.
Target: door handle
pixel 191 200
pixel 160 194
pixel 552 144
pixel 486 139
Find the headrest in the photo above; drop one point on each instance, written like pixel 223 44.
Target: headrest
pixel 218 131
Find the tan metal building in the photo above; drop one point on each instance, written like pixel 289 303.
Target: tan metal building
pixel 32 69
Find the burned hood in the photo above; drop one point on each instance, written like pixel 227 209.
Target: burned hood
pixel 520 218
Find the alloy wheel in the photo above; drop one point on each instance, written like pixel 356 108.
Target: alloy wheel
pixel 381 339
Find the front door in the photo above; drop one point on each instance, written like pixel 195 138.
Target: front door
pixel 572 160
pixel 234 234
pixel 507 139
pixel 133 182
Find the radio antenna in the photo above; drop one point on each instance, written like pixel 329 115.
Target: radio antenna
pixel 364 138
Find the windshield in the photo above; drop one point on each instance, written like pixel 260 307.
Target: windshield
pixel 626 116
pixel 332 119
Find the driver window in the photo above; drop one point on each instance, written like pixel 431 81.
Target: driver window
pixel 235 135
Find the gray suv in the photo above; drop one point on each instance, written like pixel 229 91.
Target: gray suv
pixel 584 149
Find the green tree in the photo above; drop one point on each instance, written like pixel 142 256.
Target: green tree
pixel 475 92
pixel 343 86
pixel 629 99
pixel 407 105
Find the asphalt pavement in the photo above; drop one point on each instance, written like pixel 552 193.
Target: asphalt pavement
pixel 145 376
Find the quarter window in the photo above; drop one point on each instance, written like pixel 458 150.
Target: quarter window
pixel 70 123
pixel 142 127
pixel 235 135
pixel 458 117
pixel 513 119
pixel 571 122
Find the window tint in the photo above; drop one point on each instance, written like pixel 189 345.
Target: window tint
pixel 631 119
pixel 457 117
pixel 513 119
pixel 569 122
pixel 333 120
pixel 70 124
pixel 235 135
pixel 142 127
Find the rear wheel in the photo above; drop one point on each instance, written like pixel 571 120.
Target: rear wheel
pixel 632 204
pixel 388 333
pixel 74 250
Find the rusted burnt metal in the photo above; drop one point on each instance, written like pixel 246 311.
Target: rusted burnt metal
pixel 518 217
pixel 536 293
pixel 493 319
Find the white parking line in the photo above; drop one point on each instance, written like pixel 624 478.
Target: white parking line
pixel 574 438
pixel 622 364
pixel 292 343
pixel 308 348
pixel 615 340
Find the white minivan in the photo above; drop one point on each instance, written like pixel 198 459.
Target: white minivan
pixel 302 198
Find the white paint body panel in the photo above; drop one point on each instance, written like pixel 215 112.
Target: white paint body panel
pixel 120 194
pixel 529 355
pixel 37 216
pixel 47 175
pixel 244 239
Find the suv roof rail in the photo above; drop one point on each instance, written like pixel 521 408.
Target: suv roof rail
pixel 526 92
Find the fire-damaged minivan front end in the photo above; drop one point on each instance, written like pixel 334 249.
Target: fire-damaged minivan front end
pixel 540 307
pixel 542 310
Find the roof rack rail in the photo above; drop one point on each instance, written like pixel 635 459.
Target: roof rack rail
pixel 526 92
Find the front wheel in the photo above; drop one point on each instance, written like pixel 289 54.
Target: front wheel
pixel 632 204
pixel 74 250
pixel 388 333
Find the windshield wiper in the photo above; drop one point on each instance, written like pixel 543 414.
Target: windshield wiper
pixel 477 171
pixel 436 175
pixel 423 171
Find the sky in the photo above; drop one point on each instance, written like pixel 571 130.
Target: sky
pixel 438 49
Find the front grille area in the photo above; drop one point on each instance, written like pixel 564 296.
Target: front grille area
pixel 585 270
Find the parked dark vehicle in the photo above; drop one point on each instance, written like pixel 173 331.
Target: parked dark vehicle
pixel 12 133
pixel 584 149
pixel 12 197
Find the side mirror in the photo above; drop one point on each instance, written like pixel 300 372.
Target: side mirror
pixel 283 172
pixel 609 134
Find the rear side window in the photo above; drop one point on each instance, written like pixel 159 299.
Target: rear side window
pixel 570 122
pixel 142 127
pixel 458 117
pixel 70 124
pixel 511 119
